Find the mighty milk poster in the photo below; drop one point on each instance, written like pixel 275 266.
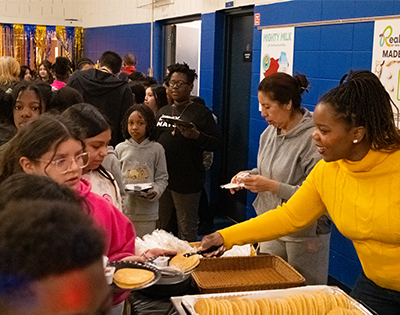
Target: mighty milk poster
pixel 277 46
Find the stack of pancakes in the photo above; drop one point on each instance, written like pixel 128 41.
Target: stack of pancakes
pixel 184 264
pixel 130 278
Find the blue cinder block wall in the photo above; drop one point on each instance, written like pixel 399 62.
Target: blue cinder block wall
pixel 122 39
pixel 323 53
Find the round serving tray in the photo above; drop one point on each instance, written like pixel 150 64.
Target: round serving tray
pixel 136 265
pixel 167 280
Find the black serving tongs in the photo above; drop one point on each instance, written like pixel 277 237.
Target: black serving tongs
pixel 219 250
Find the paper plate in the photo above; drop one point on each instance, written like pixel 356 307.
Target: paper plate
pixel 142 186
pixel 231 186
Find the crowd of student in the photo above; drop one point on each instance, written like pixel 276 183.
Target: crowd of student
pixel 94 130
pixel 99 101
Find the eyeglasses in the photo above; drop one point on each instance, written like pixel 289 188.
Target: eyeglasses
pixel 177 84
pixel 64 165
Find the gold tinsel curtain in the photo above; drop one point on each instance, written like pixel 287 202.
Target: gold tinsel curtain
pixel 40 42
pixel 1 41
pixel 31 44
pixel 62 44
pixel 8 42
pixel 50 43
pixel 19 47
pixel 78 43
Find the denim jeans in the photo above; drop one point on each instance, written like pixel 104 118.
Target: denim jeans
pixel 382 301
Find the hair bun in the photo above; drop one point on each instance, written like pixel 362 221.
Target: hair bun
pixel 302 81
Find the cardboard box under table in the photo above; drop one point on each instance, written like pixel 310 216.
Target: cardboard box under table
pixel 245 273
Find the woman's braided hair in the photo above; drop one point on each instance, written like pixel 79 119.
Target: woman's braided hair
pixel 361 100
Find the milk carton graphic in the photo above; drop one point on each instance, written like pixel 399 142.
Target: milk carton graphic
pixel 283 63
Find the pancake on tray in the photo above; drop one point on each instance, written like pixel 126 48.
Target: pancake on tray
pixel 183 263
pixel 130 278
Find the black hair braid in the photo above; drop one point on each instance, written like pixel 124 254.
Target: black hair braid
pixel 379 120
pixel 363 101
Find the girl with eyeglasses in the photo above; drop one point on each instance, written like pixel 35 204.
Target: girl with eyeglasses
pixel 49 146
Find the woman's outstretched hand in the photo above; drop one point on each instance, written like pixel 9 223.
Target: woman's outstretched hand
pixel 212 240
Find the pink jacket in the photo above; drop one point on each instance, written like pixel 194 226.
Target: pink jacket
pixel 119 231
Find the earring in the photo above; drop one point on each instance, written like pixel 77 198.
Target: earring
pixel 355 141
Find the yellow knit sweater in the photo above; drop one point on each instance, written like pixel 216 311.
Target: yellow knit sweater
pixel 363 200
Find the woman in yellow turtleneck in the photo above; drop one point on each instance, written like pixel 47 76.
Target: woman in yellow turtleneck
pixel 358 182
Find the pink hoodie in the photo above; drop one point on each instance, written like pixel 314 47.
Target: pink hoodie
pixel 119 232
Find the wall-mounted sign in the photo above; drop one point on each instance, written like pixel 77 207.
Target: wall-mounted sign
pixel 257 17
pixel 247 56
pixel 386 58
pixel 277 47
pixel 229 4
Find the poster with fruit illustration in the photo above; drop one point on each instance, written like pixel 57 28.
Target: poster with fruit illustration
pixel 386 59
pixel 277 46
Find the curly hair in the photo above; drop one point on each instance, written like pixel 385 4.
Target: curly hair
pixel 147 114
pixel 361 100
pixel 191 74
